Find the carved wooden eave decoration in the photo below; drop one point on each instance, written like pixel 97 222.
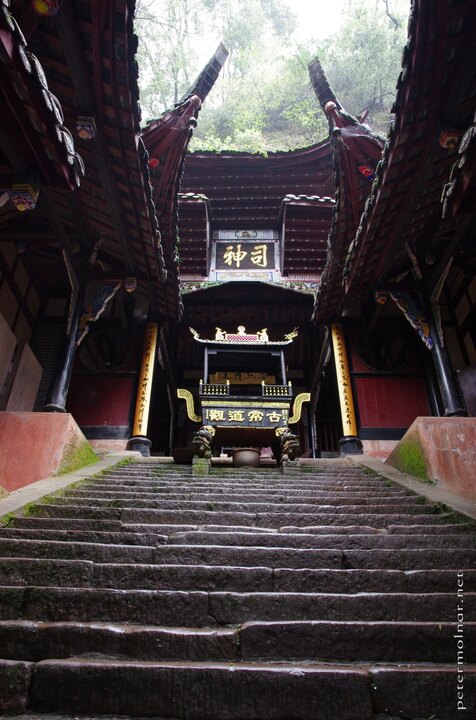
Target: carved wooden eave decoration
pixel 166 140
pixel 459 194
pixel 242 337
pixel 87 52
pixel 434 106
pixel 357 152
pixel 33 135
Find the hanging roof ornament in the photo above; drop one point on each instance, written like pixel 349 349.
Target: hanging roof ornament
pixel 261 337
pixel 46 7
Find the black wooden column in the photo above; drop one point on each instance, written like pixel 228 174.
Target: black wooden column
pixel 59 393
pixel 444 372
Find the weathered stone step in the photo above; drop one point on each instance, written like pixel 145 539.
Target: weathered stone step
pixel 224 496
pixel 370 580
pixel 130 576
pixel 312 558
pixel 347 641
pixel 201 609
pixel 428 529
pixel 88 536
pixel 269 520
pixel 274 520
pixel 162 607
pixel 96 524
pixel 245 500
pixel 258 482
pixel 309 540
pixel 161 529
pixel 236 608
pixel 201 690
pixel 49 523
pixel 198 484
pixel 404 559
pixel 330 505
pixel 242 691
pixel 449 529
pixel 267 478
pixel 10 547
pixel 35 641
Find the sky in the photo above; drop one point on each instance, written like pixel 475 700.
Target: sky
pixel 317 18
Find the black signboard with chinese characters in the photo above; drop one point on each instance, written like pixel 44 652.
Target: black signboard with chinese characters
pixel 245 414
pixel 245 255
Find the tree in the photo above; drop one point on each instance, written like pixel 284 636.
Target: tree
pixel 263 99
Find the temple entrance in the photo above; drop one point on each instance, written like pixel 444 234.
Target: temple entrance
pixel 261 343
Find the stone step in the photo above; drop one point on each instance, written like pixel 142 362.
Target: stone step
pixel 35 641
pixel 242 691
pixel 347 641
pixel 248 538
pixel 270 520
pixel 246 594
pixel 238 484
pixel 452 527
pixel 383 505
pixel 235 608
pixel 55 549
pixel 89 536
pixel 234 501
pixel 166 529
pixel 312 558
pixel 24 523
pixel 268 479
pixel 310 540
pixel 135 576
pixel 348 515
pixel 245 556
pixel 404 559
pixel 201 609
pixel 161 529
pixel 223 496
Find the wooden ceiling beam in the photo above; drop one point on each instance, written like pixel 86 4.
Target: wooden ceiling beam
pixel 73 50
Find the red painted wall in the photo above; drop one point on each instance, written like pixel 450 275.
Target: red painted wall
pixel 388 399
pixel 390 402
pixel 101 399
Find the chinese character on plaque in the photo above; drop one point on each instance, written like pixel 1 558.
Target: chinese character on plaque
pixel 259 255
pixel 255 415
pixel 232 256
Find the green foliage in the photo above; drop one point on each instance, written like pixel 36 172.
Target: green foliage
pixel 263 100
pixel 363 60
pixel 7 519
pixel 409 459
pixel 79 456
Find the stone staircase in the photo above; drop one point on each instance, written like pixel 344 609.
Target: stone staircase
pixel 244 595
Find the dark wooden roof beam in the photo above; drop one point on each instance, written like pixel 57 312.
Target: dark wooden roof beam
pixel 72 48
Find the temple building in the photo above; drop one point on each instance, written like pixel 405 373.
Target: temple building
pixel 121 253
pixel 237 392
